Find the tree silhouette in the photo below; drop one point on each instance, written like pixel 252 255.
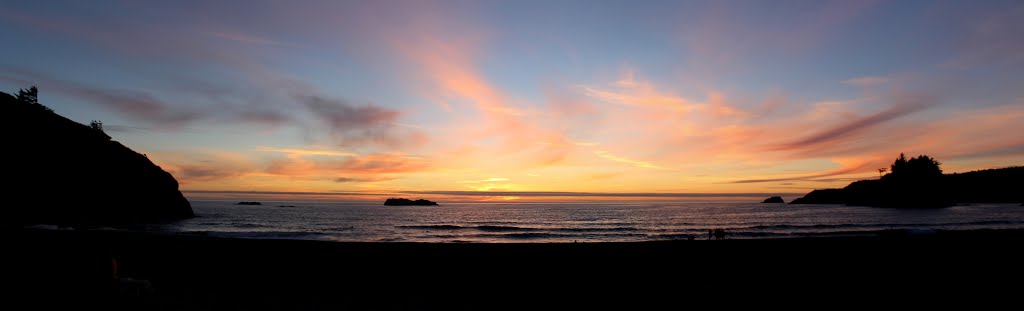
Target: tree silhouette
pixel 920 167
pixel 899 164
pixel 920 183
pixel 96 125
pixel 31 96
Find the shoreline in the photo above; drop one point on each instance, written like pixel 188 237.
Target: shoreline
pixel 885 234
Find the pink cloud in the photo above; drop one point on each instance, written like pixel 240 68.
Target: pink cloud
pixel 249 39
pixel 866 81
pixel 907 106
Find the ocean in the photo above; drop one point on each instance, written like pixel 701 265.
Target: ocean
pixel 575 222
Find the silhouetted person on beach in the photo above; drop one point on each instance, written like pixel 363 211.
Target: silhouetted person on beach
pixel 711 234
pixel 719 234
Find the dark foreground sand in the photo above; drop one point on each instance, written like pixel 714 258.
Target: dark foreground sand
pixel 59 269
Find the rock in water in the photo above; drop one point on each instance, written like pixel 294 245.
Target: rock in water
pixel 66 173
pixel 404 202
pixel 773 200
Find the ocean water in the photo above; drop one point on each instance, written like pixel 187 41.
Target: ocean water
pixel 575 222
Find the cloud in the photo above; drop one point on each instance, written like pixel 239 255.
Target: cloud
pixel 192 173
pixel 849 169
pixel 1002 151
pixel 135 104
pixel 308 152
pixel 360 179
pixel 249 39
pixel 138 105
pixel 383 163
pixel 360 124
pixel 372 164
pixel 264 117
pixel 216 82
pixel 866 81
pixel 642 164
pixel 633 92
pixel 125 128
pixel 908 106
pixel 493 179
pixel 857 166
pixel 197 166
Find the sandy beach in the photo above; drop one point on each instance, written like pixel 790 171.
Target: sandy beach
pixel 194 272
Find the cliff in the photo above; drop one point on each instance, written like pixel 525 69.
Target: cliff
pixel 63 172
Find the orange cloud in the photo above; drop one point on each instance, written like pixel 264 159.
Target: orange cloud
pixel 493 179
pixel 308 152
pixel 198 166
pixel 641 164
pixel 629 90
pixel 372 164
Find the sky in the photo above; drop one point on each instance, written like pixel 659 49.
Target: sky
pixel 529 100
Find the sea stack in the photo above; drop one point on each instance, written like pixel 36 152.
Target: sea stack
pixel 67 173
pixel 407 202
pixel 775 199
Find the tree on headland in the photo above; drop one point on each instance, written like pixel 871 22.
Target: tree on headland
pixel 31 96
pixel 96 125
pixel 920 183
pixel 920 167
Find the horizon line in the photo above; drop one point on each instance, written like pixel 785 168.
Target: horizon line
pixel 510 193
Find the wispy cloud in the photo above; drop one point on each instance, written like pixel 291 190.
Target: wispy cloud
pixel 361 179
pixel 821 177
pixel 360 124
pixel 907 106
pixel 308 151
pixel 371 164
pixel 136 104
pixel 631 91
pixel 199 166
pixel 642 164
pixel 866 81
pixel 249 39
pixel 493 179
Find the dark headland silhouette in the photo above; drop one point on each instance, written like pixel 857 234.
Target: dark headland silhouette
pixel 775 199
pixel 919 183
pixel 407 202
pixel 66 173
